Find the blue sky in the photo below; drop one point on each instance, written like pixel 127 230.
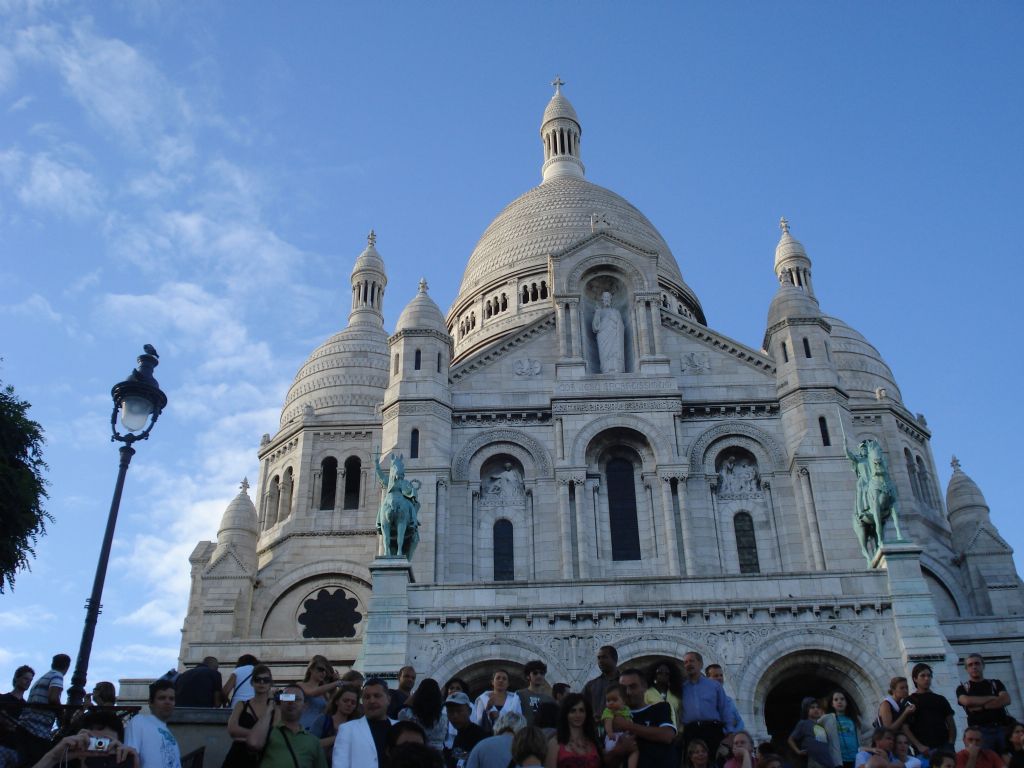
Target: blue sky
pixel 201 177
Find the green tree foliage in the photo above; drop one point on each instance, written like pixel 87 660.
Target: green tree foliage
pixel 22 485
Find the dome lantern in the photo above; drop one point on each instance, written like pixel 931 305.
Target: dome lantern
pixel 368 282
pixel 792 264
pixel 560 133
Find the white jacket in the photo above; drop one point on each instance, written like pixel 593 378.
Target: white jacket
pixel 354 747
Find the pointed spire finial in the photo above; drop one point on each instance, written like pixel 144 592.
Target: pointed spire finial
pixel 955 464
pixel 784 225
pixel 423 285
pixel 244 485
pixel 558 82
pixel 371 239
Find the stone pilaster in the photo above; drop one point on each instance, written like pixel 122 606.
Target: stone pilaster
pixel 386 639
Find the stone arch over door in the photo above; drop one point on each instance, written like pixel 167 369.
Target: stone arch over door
pixel 949 579
pixel 662 447
pixel 642 645
pixel 449 656
pixel 849 664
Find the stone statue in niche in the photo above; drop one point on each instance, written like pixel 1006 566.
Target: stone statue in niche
pixel 610 333
pixel 507 485
pixel 738 475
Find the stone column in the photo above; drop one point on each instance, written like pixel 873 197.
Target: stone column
pixel 640 324
pixel 386 637
pixel 812 520
pixel 671 530
pixel 315 488
pixel 339 491
pixel 441 528
pixel 564 526
pixel 686 519
pixel 563 349
pixel 584 528
pixel 575 329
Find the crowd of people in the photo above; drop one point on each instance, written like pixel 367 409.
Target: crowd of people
pixel 658 717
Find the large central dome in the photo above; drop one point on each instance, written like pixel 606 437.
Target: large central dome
pixel 552 217
pixel 506 283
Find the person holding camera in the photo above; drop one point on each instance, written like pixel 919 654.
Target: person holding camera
pixel 149 735
pixel 97 745
pixel 287 744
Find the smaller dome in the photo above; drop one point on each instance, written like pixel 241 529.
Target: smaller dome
pixel 962 492
pixel 862 371
pixel 788 248
pixel 421 314
pixel 790 301
pixel 369 259
pixel 240 515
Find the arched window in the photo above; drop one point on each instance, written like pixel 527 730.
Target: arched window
pixel 504 552
pixel 823 426
pixel 526 294
pixel 328 482
pixel 439 362
pixel 487 309
pixel 284 508
pixel 504 302
pixel 396 363
pixel 414 444
pixel 625 531
pixel 416 360
pixel 533 292
pixel 807 348
pixel 828 352
pixel 785 353
pixel 746 544
pixel 543 289
pixel 272 499
pixel 353 475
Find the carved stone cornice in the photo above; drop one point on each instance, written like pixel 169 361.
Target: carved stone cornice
pixel 482 418
pixel 743 410
pixel 490 355
pixel 417 407
pixel 566 407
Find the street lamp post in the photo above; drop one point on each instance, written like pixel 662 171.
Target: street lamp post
pixel 139 400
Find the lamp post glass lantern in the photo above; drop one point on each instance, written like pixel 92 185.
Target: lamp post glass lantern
pixel 139 401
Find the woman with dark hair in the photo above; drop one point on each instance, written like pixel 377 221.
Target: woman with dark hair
pixel 455 685
pixel 497 701
pixel 426 708
pixel 343 706
pixel 243 719
pixel 239 684
pixel 665 683
pixel 318 682
pixel 575 744
pixel 1014 758
pixel 842 729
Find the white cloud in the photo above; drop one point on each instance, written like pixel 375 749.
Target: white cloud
pixel 35 307
pixel 161 656
pixel 35 615
pixel 61 188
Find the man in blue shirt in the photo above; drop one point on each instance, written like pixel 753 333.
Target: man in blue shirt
pixel 705 705
pixel 733 721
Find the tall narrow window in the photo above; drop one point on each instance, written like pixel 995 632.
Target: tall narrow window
pixel 912 474
pixel 543 289
pixel 353 475
pixel 807 348
pixel 328 482
pixel 823 426
pixel 625 531
pixel 504 552
pixel 416 360
pixel 746 544
pixel 414 444
pixel 785 353
pixel 438 362
pixel 396 363
pixel 928 495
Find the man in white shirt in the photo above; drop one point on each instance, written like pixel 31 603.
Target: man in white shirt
pixel 149 735
pixel 360 743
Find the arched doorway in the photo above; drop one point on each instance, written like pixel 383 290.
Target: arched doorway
pixel 478 676
pixel 808 673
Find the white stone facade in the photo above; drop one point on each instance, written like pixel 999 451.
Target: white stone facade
pixel 700 499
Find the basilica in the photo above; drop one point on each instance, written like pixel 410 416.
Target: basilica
pixel 594 464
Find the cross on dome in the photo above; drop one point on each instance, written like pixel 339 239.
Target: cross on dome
pixel 244 485
pixel 423 285
pixel 955 464
pixel 371 239
pixel 784 225
pixel 558 82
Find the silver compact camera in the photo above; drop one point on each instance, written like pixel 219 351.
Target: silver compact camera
pixel 286 697
pixel 99 744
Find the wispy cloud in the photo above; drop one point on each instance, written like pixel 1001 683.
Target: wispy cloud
pixel 60 188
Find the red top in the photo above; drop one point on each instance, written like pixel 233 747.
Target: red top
pixel 569 759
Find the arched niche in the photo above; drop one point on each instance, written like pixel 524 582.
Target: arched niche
pixel 653 444
pixel 608 330
pixel 705 449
